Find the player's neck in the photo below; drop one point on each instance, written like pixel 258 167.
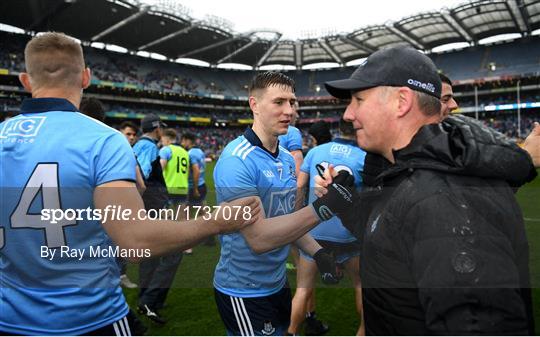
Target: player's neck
pixel 269 141
pixel 73 97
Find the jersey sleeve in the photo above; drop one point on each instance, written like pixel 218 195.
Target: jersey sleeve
pixel 114 160
pixel 295 140
pixel 233 180
pixel 195 157
pixel 146 153
pixel 165 153
pixel 306 164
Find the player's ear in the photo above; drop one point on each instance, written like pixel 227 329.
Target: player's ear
pixel 24 78
pixel 86 78
pixel 253 104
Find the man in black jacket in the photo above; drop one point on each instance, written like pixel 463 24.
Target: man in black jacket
pixel 444 244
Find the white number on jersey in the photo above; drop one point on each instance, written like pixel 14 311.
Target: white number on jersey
pixel 337 168
pixel 43 180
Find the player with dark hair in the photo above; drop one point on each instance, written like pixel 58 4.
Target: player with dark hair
pixel 197 169
pixel 250 279
pixel 92 107
pixel 44 288
pixel 129 130
pixel 196 180
pixel 320 132
pixel 448 103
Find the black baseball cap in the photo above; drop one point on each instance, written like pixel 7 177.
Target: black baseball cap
pixel 393 67
pixel 151 121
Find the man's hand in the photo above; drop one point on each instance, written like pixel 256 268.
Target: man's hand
pixel 532 144
pixel 196 193
pixel 249 213
pixel 330 274
pixel 336 197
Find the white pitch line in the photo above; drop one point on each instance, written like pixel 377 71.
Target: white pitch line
pixel 531 219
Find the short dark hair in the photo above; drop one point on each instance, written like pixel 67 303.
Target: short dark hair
pixel 92 107
pixel 270 78
pixel 346 128
pixel 321 132
pixel 189 136
pixel 128 124
pixel 445 79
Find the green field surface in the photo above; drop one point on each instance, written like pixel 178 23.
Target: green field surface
pixel 191 310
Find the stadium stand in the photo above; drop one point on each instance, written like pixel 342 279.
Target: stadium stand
pixel 131 86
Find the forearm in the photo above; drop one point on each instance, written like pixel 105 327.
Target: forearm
pixel 308 244
pixel 141 186
pixel 298 159
pixel 270 233
pixel 163 236
pixel 160 236
pixel 196 175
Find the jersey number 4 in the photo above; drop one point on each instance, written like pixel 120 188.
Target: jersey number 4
pixel 44 181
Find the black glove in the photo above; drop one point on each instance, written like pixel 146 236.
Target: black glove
pixel 340 197
pixel 327 266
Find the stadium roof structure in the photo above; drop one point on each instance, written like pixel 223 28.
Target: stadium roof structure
pixel 172 33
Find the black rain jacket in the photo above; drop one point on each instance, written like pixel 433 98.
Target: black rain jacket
pixel 444 243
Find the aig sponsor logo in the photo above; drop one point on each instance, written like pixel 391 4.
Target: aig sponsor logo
pixel 282 202
pixel 22 127
pixel 340 148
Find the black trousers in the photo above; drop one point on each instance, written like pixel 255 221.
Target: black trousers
pixel 156 276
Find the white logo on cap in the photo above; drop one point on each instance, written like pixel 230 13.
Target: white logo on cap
pixel 426 86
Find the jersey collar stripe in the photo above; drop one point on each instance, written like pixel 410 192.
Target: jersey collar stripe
pixel 240 322
pixel 245 147
pixel 239 146
pixel 281 148
pixel 126 323
pixel 241 300
pixel 116 330
pixel 247 152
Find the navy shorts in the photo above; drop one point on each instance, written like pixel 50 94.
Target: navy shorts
pixel 255 316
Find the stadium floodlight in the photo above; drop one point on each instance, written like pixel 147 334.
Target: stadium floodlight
pixel 172 7
pixel 218 22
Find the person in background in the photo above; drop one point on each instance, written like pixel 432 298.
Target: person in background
pixel 196 178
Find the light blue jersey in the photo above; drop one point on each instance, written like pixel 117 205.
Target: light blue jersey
pixel 244 169
pixel 147 152
pixel 53 158
pixel 196 156
pixel 292 140
pixel 344 155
